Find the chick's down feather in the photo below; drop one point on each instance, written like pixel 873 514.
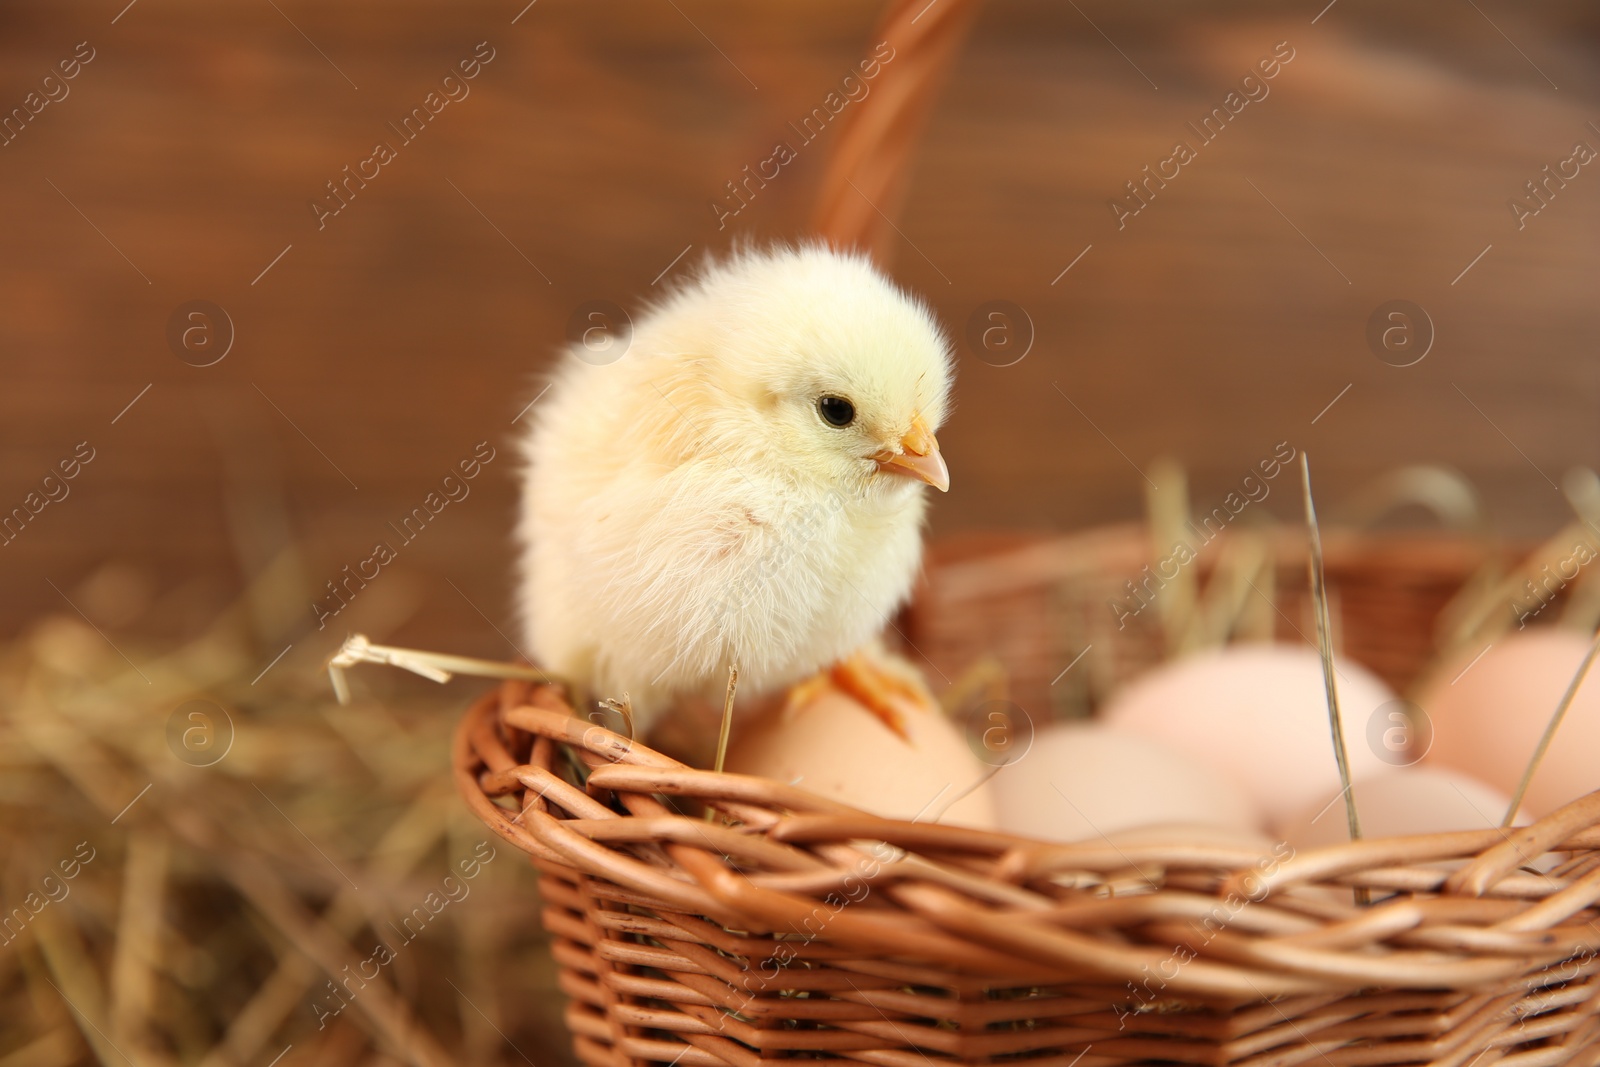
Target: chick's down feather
pixel 744 486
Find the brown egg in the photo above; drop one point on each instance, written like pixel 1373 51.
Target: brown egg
pixel 834 747
pixel 1488 715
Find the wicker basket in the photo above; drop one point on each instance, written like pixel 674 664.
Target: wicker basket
pixel 805 928
pixel 793 927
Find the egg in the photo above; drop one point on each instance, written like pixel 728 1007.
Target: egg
pixel 1081 781
pixel 832 746
pixel 1488 716
pixel 1401 802
pixel 1204 835
pixel 1258 715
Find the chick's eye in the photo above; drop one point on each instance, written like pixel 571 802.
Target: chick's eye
pixel 836 410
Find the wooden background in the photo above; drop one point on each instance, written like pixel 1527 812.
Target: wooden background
pixel 371 355
pixel 378 351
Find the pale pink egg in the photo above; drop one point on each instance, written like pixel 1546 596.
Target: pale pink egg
pixel 1488 715
pixel 1085 782
pixel 1399 803
pixel 1258 715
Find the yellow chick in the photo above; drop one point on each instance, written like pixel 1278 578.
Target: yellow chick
pixel 743 487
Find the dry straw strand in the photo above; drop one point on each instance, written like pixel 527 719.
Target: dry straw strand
pixel 1319 596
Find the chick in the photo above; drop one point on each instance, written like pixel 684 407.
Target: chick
pixel 744 487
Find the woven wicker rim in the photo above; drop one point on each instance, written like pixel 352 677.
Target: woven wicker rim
pixel 1000 906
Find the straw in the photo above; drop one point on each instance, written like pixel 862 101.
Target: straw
pixel 727 728
pixel 1319 597
pixel 178 944
pixel 1581 487
pixel 1167 503
pixel 727 717
pixel 435 666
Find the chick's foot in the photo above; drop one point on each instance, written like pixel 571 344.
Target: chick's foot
pixel 882 687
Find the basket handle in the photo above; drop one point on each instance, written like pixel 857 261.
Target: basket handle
pixel 863 187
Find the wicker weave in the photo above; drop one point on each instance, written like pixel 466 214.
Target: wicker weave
pixel 793 926
pixel 1034 603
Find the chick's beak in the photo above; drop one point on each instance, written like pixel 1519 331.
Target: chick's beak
pixel 918 457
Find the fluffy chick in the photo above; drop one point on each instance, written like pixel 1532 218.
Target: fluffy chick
pixel 744 486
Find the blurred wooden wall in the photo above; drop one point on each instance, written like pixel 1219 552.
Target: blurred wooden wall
pixel 380 349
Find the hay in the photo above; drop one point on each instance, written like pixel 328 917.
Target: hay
pixel 234 913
